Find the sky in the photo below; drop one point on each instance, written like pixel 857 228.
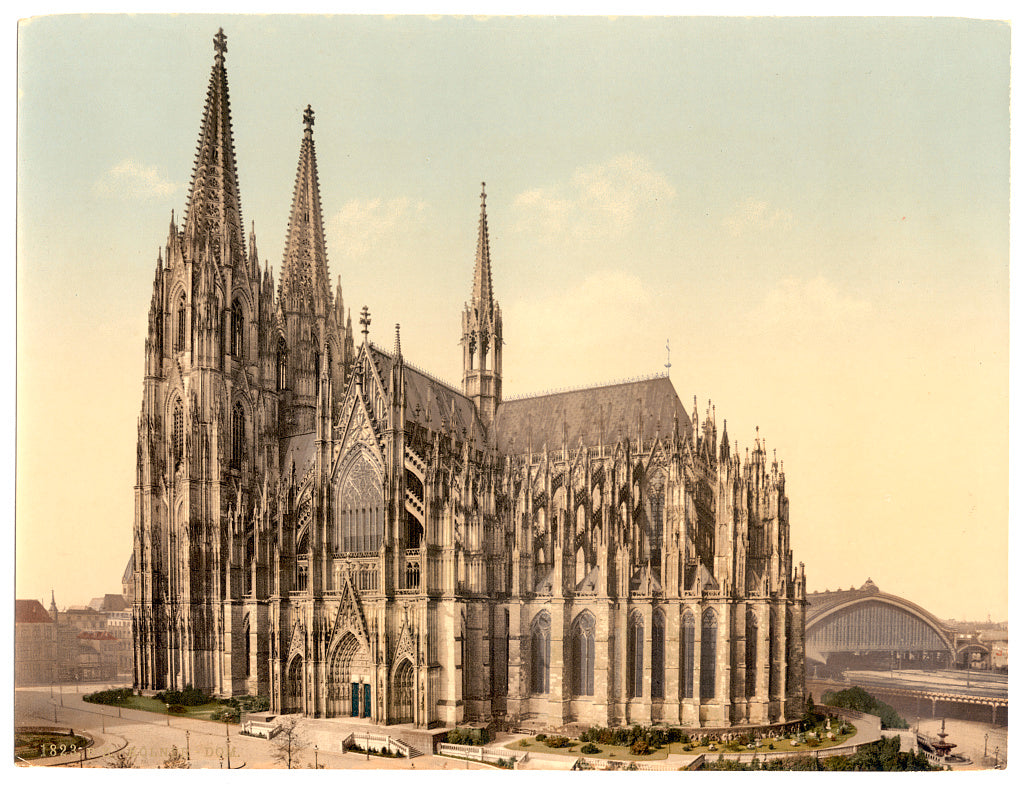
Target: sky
pixel 809 218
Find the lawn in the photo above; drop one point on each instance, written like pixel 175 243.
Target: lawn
pixel 606 753
pixel 622 753
pixel 156 706
pixel 34 745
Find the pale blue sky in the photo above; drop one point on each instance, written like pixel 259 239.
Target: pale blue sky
pixel 813 211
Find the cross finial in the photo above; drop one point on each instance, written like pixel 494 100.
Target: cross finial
pixel 483 193
pixel 307 118
pixel 668 355
pixel 220 43
pixel 364 319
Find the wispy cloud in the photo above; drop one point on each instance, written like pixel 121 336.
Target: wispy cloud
pixel 812 302
pixel 602 200
pixel 135 181
pixel 361 226
pixel 756 216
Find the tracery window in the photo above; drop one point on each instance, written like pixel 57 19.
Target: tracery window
pixel 687 655
pixel 179 344
pixel 237 436
pixel 583 655
pixel 751 662
pixel 658 655
pixel 540 654
pixel 237 330
pixel 360 520
pixel 773 661
pixel 282 365
pixel 178 433
pixel 635 657
pixel 708 653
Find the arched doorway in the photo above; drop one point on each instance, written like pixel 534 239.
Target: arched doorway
pixel 293 696
pixel 349 679
pixel 403 689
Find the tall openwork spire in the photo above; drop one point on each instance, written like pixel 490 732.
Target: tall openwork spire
pixel 214 213
pixel 304 274
pixel 483 294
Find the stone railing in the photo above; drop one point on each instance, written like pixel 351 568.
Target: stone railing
pixel 372 740
pixel 481 753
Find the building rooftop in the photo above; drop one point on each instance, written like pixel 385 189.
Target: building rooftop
pixel 29 610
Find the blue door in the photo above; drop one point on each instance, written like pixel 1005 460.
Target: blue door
pixel 355 699
pixel 366 700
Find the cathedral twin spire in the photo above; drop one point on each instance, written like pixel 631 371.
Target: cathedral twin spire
pixel 213 217
pixel 305 274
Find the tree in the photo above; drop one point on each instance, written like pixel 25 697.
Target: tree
pixel 176 759
pixel 289 742
pixel 123 759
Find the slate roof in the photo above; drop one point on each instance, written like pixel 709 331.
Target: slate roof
pixel 430 401
pixel 301 449
pixel 129 570
pixel 111 602
pixel 611 410
pixel 29 610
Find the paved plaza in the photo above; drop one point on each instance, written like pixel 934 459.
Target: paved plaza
pixel 151 736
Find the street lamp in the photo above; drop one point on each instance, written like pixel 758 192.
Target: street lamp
pixel 188 752
pixel 316 756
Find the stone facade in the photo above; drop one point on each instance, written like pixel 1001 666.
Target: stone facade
pixel 322 522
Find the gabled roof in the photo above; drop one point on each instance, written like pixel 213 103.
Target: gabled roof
pixel 430 401
pixel 595 415
pixel 111 602
pixel 29 610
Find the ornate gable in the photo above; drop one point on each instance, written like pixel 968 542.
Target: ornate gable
pixel 297 644
pixel 406 647
pixel 350 615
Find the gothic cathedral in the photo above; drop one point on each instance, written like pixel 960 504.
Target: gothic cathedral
pixel 319 521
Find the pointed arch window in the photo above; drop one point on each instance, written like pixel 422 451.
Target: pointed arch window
pixel 237 330
pixel 237 436
pixel 540 654
pixel 179 340
pixel 360 520
pixel 583 655
pixel 773 663
pixel 658 655
pixel 178 433
pixel 687 656
pixel 708 653
pixel 282 365
pixel 751 662
pixel 635 657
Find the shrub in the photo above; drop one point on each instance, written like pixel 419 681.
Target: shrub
pixel 558 742
pixel 640 746
pixel 178 709
pixel 541 737
pixel 590 748
pixel 230 716
pixel 110 696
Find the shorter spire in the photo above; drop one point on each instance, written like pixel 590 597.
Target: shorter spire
pixel 398 341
